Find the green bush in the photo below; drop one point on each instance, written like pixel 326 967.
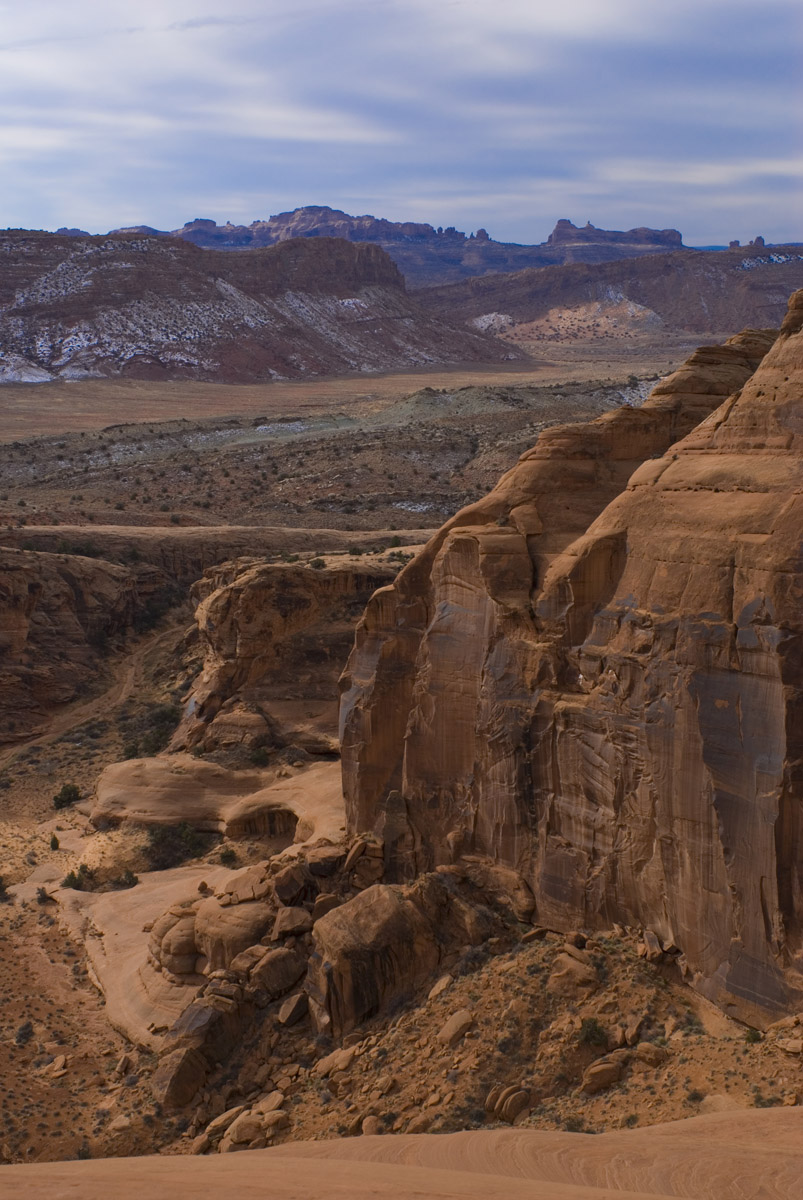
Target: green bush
pixel 171 845
pixel 752 1036
pixel 54 842
pixel 228 856
pixel 69 794
pixel 317 563
pixel 592 1033
pixel 80 880
pixel 127 880
pixel 161 722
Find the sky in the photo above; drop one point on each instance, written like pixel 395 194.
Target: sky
pixel 505 114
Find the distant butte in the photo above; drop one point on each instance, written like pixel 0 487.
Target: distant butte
pixel 426 256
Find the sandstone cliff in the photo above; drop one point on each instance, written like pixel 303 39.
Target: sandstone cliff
pixel 601 687
pixel 158 308
pixel 274 638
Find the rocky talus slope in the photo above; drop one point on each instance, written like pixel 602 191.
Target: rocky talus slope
pixel 160 308
pixel 593 677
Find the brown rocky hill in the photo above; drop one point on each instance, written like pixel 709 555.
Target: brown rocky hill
pixel 148 307
pixel 703 292
pixel 599 685
pixel 425 255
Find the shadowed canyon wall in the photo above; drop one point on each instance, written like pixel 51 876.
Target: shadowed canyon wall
pixel 594 676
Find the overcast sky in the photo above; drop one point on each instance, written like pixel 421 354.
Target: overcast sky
pixel 506 114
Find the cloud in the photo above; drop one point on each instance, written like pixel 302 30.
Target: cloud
pixel 506 115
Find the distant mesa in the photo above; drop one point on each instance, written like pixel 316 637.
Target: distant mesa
pixel 426 255
pixel 567 234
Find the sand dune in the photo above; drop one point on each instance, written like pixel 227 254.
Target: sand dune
pixel 755 1155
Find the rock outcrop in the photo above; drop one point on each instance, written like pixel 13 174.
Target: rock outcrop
pixel 599 685
pixel 274 637
pixel 146 307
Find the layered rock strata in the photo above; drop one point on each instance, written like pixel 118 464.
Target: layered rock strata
pixel 274 637
pixel 599 685
pixel 160 308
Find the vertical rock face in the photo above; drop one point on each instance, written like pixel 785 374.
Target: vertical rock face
pixel 594 675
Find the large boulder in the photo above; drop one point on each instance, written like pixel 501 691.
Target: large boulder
pixel 383 944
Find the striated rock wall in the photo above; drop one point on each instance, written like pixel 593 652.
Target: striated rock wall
pixel 701 292
pixel 598 682
pixel 274 638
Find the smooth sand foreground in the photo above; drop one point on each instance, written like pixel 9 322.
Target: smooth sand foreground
pixel 749 1155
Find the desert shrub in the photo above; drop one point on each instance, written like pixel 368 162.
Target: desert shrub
pixel 752 1036
pixel 170 845
pixel 3 890
pixel 80 880
pixel 228 856
pixel 68 794
pixel 690 1023
pixel 260 756
pixel 156 729
pixel 42 896
pixel 695 1096
pixel 592 1033
pixel 127 880
pixel 317 563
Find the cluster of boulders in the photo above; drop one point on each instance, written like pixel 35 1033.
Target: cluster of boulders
pixel 320 938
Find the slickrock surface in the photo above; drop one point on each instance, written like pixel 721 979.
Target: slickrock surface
pixel 179 787
pixel 153 308
pixel 712 1158
pixel 611 706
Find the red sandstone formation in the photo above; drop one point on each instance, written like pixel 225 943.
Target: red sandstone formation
pixel 593 676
